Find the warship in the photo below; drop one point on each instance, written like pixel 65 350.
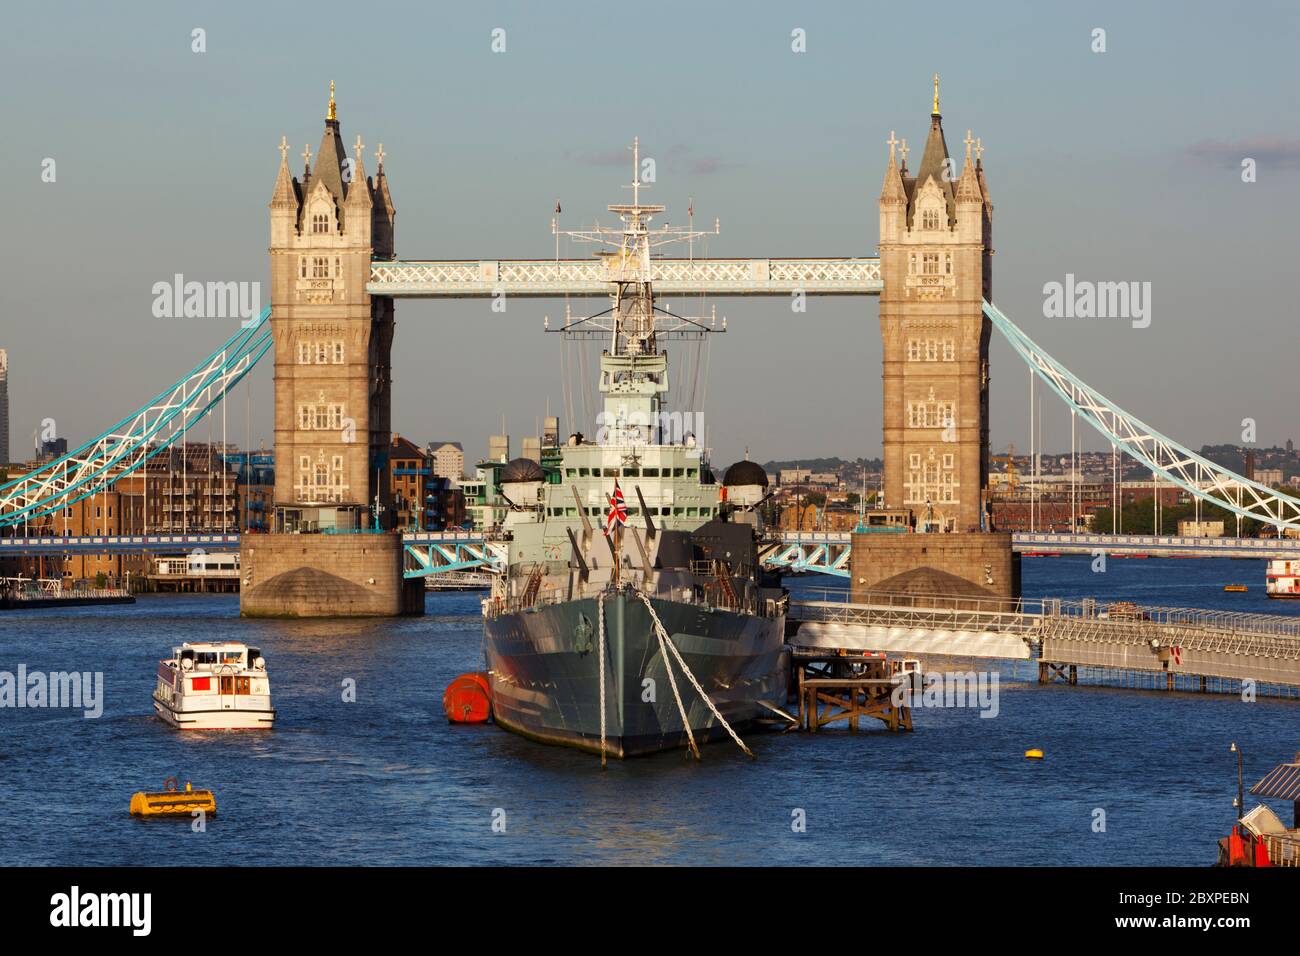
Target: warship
pixel 633 614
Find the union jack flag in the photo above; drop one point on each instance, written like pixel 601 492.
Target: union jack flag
pixel 617 515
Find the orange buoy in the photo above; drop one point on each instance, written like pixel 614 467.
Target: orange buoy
pixel 466 699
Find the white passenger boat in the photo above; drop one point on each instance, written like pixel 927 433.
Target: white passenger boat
pixel 214 686
pixel 1282 578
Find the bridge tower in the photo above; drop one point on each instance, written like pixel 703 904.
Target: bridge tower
pixel 935 262
pixel 936 268
pixel 328 553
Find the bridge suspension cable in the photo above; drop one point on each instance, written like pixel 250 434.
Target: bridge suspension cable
pixel 1164 456
pixel 127 445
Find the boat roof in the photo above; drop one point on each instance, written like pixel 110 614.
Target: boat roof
pixel 1282 782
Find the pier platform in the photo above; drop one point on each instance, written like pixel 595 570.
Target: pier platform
pixel 847 686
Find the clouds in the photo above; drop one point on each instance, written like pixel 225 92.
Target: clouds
pixel 1265 150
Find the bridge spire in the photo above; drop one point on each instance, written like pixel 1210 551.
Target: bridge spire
pixel 283 194
pixel 892 191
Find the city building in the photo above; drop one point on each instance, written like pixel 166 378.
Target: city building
pixel 1200 529
pixel 448 459
pixel 485 507
pixel 54 447
pixel 806 476
pixel 410 469
pixel 254 489
pixel 182 489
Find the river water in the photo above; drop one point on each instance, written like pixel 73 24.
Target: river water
pixel 385 779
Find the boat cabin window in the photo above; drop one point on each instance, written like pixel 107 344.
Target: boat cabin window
pixel 570 472
pixel 677 472
pixel 206 657
pixel 650 472
pixel 231 657
pixel 584 472
pixel 631 472
pixel 611 472
pixel 690 472
pixel 241 685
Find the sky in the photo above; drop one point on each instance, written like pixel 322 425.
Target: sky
pixel 1122 165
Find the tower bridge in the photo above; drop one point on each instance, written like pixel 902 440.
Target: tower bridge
pixel 335 278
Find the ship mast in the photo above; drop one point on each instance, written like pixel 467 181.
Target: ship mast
pixel 633 372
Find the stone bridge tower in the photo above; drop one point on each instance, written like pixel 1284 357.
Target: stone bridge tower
pixel 936 266
pixel 327 554
pixel 935 259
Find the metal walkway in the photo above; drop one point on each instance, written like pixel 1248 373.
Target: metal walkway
pixel 1188 642
pixel 542 278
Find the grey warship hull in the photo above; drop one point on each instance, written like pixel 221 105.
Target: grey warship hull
pixel 545 678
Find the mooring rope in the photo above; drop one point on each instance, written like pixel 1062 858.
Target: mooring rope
pixel 600 657
pixel 672 682
pixel 665 639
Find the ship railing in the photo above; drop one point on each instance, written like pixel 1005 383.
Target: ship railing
pixel 28 594
pixel 1283 849
pixel 704 597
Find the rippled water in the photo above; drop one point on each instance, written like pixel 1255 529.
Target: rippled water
pixel 386 780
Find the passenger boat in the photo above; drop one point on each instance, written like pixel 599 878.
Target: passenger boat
pixel 1282 578
pixel 214 686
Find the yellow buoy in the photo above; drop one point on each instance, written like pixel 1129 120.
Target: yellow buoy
pixel 1235 587
pixel 171 802
pixel 1034 754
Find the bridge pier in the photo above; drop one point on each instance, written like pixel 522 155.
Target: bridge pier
pixel 327 575
pixel 976 565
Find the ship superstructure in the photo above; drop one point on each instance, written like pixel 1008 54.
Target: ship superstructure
pixel 652 631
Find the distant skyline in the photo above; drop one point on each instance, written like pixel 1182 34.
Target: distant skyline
pixel 1117 166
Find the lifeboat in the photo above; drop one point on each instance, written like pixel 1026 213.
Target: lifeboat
pixel 467 700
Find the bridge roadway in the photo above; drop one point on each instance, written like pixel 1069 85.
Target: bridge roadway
pixel 428 553
pixel 1177 642
pixel 828 552
pixel 179 543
